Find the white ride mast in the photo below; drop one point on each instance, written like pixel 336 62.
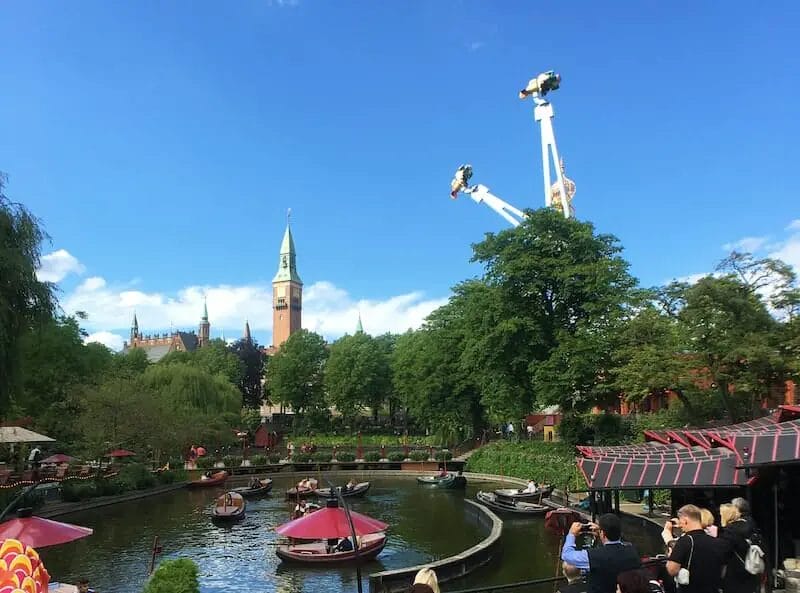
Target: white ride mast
pixel 557 195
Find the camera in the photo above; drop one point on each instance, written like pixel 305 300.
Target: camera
pixel 586 528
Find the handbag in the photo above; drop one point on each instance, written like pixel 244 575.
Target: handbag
pixel 683 574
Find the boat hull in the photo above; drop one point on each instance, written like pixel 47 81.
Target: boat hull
pixel 502 505
pixel 358 491
pixel 247 492
pixel 216 480
pixel 315 554
pixel 229 507
pixel 450 482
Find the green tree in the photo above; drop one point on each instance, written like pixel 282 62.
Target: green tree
pixel 556 295
pixel 357 375
pixel 252 361
pixel 24 300
pixel 295 373
pixel 735 339
pixel 215 358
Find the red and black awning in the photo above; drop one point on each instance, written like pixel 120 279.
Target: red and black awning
pixel 695 458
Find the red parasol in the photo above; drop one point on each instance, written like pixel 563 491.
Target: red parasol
pixel 121 453
pixel 40 533
pixel 201 451
pixel 58 458
pixel 329 523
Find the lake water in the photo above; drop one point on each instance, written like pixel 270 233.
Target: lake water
pixel 425 524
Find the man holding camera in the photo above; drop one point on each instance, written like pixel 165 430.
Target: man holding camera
pixel 603 563
pixel 696 559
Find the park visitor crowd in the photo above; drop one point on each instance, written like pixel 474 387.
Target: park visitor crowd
pixel 701 556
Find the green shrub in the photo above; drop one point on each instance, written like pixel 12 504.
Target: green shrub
pixel 274 458
pixel 549 463
pixel 258 459
pixel 232 461
pixel 345 456
pixel 176 463
pixel 205 462
pixel 108 487
pixel 301 458
pixel 443 455
pixel 137 476
pixel 174 576
pixel 172 476
pixel 418 456
pixel 321 457
pixel 77 490
pixel 372 456
pixel 396 456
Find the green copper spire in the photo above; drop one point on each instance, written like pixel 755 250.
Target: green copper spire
pixel 359 327
pixel 135 324
pixel 287 263
pixel 205 309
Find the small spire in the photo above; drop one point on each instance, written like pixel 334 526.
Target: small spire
pixel 359 327
pixel 205 308
pixel 135 324
pixel 247 331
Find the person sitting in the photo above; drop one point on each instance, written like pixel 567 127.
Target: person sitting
pixel 350 485
pixel 425 581
pixel 443 473
pixel 255 483
pixel 300 509
pixel 345 545
pixel 83 586
pixel 531 488
pixel 206 475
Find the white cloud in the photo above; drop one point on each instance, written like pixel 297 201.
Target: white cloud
pixel 56 266
pixel 109 339
pixel 689 279
pixel 794 225
pixel 789 251
pixel 476 45
pixel 327 309
pixel 747 244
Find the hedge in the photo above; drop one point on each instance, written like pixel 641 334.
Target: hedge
pixel 443 455
pixel 274 458
pixel 372 456
pixel 396 456
pixel 174 576
pixel 345 457
pixel 419 456
pixel 549 463
pixel 258 459
pixel 321 457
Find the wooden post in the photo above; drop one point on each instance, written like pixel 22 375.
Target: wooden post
pixel 616 501
pixel 156 550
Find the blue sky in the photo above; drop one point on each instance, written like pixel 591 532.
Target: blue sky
pixel 161 144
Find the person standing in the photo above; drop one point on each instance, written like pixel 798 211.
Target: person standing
pixel 604 563
pixel 735 534
pixel 697 558
pixel 510 430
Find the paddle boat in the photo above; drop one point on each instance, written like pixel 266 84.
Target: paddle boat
pixel 319 552
pixel 303 488
pixel 263 487
pixel 542 491
pixel 356 491
pixel 450 481
pixel 229 507
pixel 326 537
pixel 509 505
pixel 208 479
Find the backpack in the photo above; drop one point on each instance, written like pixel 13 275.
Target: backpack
pixel 754 558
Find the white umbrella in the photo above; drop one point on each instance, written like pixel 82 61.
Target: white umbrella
pixel 17 434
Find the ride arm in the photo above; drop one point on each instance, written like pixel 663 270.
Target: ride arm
pixel 481 194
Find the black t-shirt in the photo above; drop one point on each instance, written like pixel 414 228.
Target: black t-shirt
pixel 704 557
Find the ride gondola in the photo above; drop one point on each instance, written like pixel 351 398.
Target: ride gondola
pixel 265 486
pixel 357 491
pixel 448 482
pixel 229 507
pixel 510 505
pixel 319 553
